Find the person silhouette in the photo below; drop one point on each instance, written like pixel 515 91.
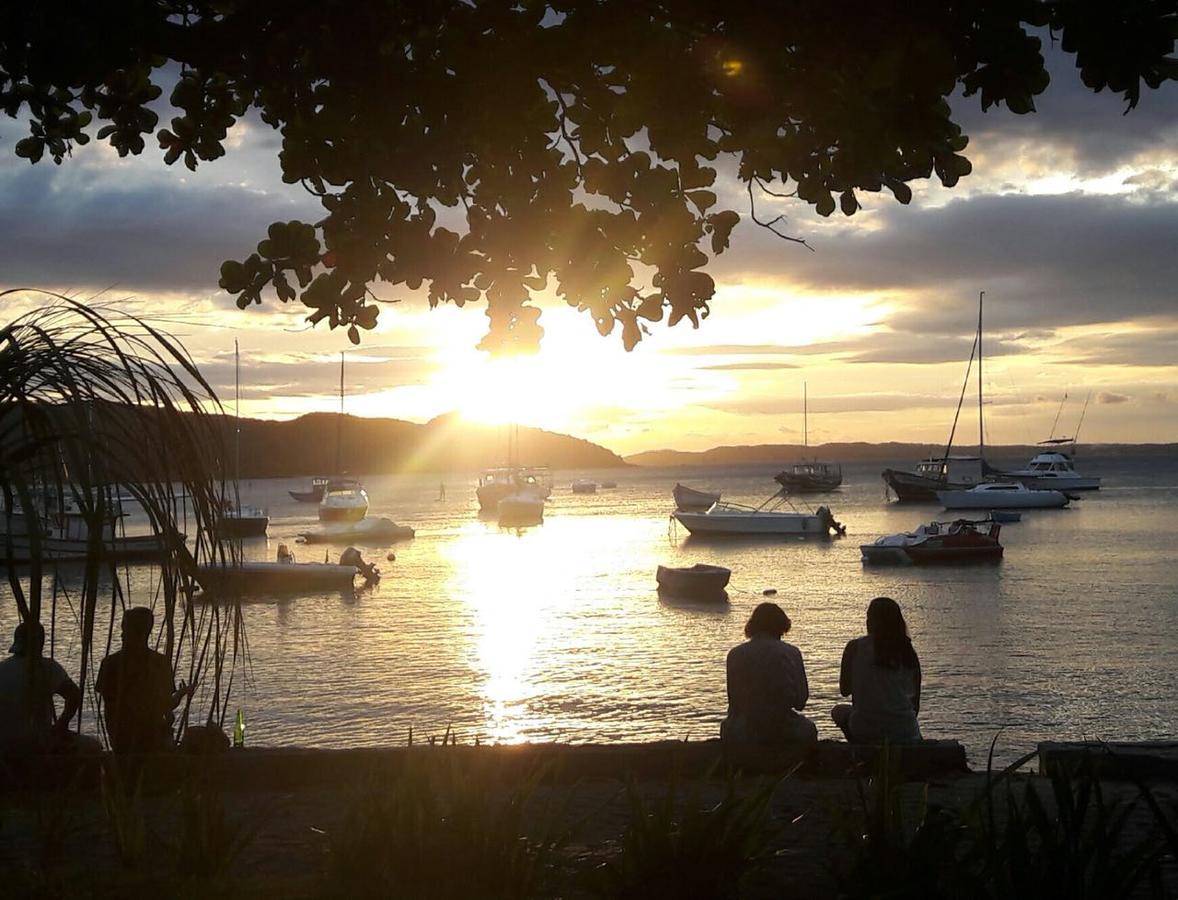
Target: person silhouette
pixel 136 686
pixel 28 684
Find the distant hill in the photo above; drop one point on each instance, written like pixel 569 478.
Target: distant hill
pixel 307 446
pixel 758 454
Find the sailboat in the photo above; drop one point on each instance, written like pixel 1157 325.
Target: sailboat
pixel 343 499
pixel 809 476
pixel 525 483
pixel 237 520
pixel 948 472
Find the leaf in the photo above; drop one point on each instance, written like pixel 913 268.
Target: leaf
pixel 702 200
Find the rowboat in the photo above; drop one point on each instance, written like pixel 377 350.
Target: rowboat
pixel 689 499
pixel 699 581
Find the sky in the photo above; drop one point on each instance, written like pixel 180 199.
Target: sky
pixel 1069 223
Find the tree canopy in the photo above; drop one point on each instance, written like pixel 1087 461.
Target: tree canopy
pixel 488 150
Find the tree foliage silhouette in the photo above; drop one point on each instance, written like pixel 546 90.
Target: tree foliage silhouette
pixel 487 150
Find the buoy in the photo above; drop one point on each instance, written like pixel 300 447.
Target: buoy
pixel 769 592
pixel 392 557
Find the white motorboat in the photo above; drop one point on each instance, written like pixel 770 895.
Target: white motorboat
pixel 689 499
pixel 366 531
pixel 234 578
pixel 1054 470
pixel 1002 495
pixel 344 500
pixel 768 518
pixel 584 486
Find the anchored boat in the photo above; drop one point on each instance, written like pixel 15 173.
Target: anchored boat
pixel 1002 495
pixel 689 499
pixel 938 542
pixel 699 581
pixel 768 518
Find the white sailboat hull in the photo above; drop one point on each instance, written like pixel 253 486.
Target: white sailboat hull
pixel 982 498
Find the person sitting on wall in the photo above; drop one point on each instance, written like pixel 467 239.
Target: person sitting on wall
pixel 881 673
pixel 767 686
pixel 28 684
pixel 136 686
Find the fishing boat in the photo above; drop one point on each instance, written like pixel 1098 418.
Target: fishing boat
pixel 584 486
pixel 344 500
pixel 366 531
pixel 961 541
pixel 315 494
pixel 689 499
pixel 770 518
pixel 947 472
pixel 1055 469
pixel 809 476
pixel 244 521
pixel 235 578
pixel 1003 495
pixel 64 536
pixel 700 581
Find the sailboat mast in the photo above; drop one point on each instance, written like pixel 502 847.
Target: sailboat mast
pixel 981 426
pixel 805 417
pixel 236 413
pixel 339 422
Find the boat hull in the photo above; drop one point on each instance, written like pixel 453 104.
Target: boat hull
pixel 274 578
pixel 912 488
pixel 699 581
pixel 515 510
pixel 807 484
pixel 690 500
pixel 762 523
pixel 306 496
pixel 994 500
pixel 342 513
pixel 140 548
pixel 1049 483
pixel 245 526
pixel 367 531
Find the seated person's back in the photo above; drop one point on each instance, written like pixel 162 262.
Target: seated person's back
pixel 137 690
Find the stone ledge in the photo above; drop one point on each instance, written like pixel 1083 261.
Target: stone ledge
pixel 291 769
pixel 1114 760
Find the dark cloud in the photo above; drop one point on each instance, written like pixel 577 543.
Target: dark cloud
pixel 312 375
pixel 146 233
pixel 1135 348
pixel 848 403
pixel 729 350
pixel 1044 261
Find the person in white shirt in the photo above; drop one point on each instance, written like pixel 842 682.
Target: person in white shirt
pixel 28 684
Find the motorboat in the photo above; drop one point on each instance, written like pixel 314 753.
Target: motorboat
pixel 497 483
pixel 1002 495
pixel 236 577
pixel 813 477
pixel 244 521
pixel 584 486
pixel 943 473
pixel 768 519
pixel 521 508
pixel 699 581
pixel 938 542
pixel 690 500
pixel 1053 470
pixel 315 494
pixel 344 500
pixel 365 531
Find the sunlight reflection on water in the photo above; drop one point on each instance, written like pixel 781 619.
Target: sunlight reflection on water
pixel 557 632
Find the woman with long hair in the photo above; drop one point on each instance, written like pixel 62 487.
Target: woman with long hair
pixel 881 673
pixel 767 685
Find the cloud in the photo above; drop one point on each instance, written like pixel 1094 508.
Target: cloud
pixel 1111 398
pixel 751 366
pixel 1146 347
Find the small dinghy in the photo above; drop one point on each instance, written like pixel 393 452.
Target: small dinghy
pixel 690 500
pixel 699 581
pixel 366 531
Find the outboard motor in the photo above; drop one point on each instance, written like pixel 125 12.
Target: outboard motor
pixel 828 519
pixel 351 557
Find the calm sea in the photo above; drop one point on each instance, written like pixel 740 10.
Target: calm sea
pixel 557 633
